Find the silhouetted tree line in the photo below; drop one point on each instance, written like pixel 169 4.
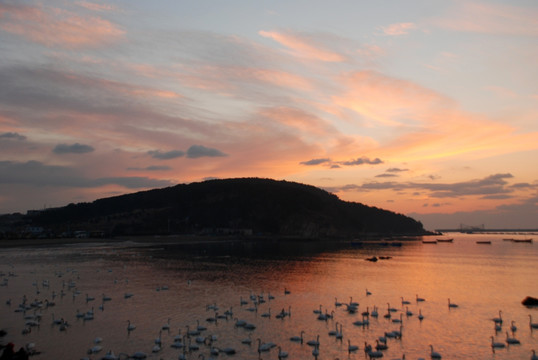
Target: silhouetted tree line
pixel 263 206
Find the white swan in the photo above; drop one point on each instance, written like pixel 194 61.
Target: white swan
pixel 452 305
pixel 167 325
pixel 313 342
pixel 351 348
pixel 531 324
pixel 298 338
pixel 420 316
pixel 130 327
pixel 434 354
pixel 419 299
pixel 512 340
pixel 498 320
pixel 496 345
pixel 282 354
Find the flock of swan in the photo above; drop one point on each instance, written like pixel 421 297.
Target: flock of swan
pixel 205 338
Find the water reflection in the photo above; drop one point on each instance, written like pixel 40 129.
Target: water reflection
pixel 185 285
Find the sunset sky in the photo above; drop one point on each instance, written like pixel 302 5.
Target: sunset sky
pixel 426 108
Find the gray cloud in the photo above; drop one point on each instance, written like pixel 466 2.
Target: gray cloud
pixel 315 162
pixel 36 173
pixel 493 185
pixel 197 151
pixel 173 154
pixel 386 175
pixel 151 168
pixel 12 136
pixel 361 161
pixel 396 170
pixel 75 148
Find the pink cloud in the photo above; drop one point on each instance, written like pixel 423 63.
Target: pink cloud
pixel 488 18
pixel 399 29
pixel 54 27
pixel 306 47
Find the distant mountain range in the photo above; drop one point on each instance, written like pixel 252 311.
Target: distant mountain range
pixel 242 206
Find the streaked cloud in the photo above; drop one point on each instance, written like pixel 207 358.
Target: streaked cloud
pixel 38 174
pixel 166 155
pixel 55 27
pixel 490 18
pixel 361 161
pixel 305 45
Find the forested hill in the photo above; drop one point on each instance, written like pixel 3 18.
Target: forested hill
pixel 241 206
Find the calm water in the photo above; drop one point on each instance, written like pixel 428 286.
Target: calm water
pixel 481 279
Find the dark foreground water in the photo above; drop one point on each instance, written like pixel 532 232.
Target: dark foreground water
pixel 164 286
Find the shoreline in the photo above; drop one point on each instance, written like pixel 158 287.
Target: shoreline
pixel 187 240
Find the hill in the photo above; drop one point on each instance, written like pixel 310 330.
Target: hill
pixel 246 206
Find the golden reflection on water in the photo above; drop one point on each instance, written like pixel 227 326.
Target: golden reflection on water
pixel 481 279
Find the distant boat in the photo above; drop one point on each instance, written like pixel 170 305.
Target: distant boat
pixel 522 240
pixel 484 242
pixel 429 241
pixel 445 240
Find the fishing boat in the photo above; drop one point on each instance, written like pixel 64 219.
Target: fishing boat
pixel 484 242
pixel 445 240
pixel 522 240
pixel 429 241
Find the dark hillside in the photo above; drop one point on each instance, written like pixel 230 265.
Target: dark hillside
pixel 232 206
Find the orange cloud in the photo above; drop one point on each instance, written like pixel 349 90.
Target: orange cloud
pixel 304 47
pixel 57 27
pixel 94 6
pixel 424 124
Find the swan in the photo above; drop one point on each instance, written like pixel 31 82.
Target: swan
pixel 531 324
pixel 139 355
pixel 335 331
pixel 419 299
pixel 391 309
pixel 267 314
pixel 374 354
pixel 399 321
pixel 496 345
pixel 158 341
pixel 420 316
pixel 352 303
pixel 242 302
pixel 380 346
pixel 339 335
pixel 282 354
pixel 374 312
pixel 434 354
pixel 263 347
pixel 247 341
pixel 368 293
pixel 95 349
pixel 337 303
pixel 110 356
pixel 534 356
pixel 313 342
pixel 130 327
pixel 350 347
pixel 315 352
pixel 167 325
pixel 512 340
pixel 405 302
pixel 498 320
pixel 407 312
pixel 298 338
pixel 318 311
pixel 513 326
pixel 452 305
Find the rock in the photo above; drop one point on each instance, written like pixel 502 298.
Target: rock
pixel 530 301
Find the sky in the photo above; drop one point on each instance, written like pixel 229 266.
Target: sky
pixel 425 108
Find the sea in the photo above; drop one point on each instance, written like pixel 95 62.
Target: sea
pixel 185 302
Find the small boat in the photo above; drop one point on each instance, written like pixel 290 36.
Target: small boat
pixel 483 242
pixel 445 240
pixel 429 241
pixel 522 240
